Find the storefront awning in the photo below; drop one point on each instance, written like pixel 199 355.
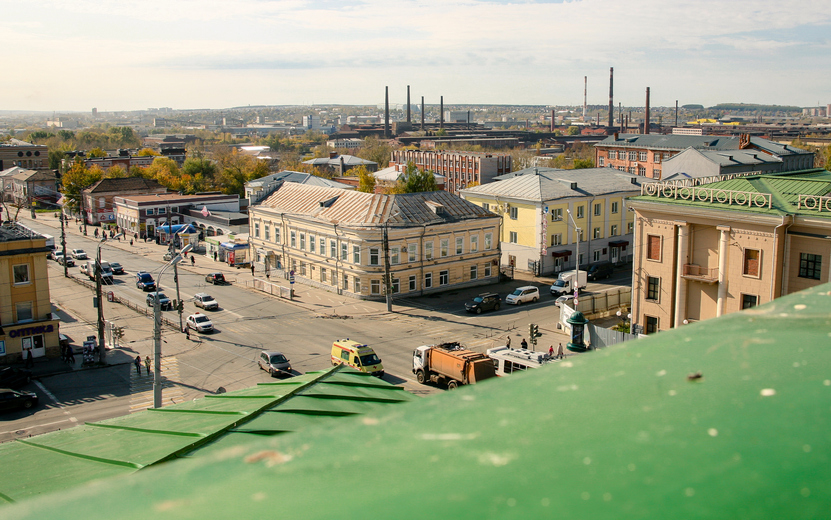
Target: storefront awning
pixel 565 253
pixel 619 243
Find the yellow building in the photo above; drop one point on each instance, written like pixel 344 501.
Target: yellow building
pixel 335 239
pixel 710 249
pixel 554 220
pixel 26 319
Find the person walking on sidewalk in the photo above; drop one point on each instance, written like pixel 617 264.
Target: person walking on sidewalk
pixel 147 364
pixel 192 261
pixel 131 242
pixel 30 362
pixel 560 354
pixel 137 362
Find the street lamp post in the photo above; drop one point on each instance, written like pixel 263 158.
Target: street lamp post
pixel 102 355
pixel 577 231
pixel 179 306
pixel 157 336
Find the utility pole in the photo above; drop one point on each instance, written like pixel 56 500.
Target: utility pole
pixel 83 216
pixel 63 244
pixel 387 281
pixel 157 350
pixel 102 356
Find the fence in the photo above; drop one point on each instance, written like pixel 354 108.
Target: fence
pixel 593 304
pixel 601 337
pixel 272 288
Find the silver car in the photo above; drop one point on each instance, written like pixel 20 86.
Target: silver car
pixel 206 301
pixel 274 363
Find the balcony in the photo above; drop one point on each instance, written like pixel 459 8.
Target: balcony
pixel 698 273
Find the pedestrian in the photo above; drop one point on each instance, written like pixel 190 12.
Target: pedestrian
pixel 551 351
pixel 560 351
pixel 187 331
pixel 147 364
pixel 192 261
pixel 137 362
pixel 131 242
pixel 524 344
pixel 252 268
pixel 214 256
pixel 508 343
pixel 70 355
pixel 30 362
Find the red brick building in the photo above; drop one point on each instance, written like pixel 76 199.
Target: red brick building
pixel 459 169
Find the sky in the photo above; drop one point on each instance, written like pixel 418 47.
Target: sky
pixel 73 55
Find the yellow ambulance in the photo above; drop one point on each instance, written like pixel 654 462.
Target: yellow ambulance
pixel 357 356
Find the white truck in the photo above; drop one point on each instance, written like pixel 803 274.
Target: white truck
pixel 88 268
pixel 507 360
pixel 567 281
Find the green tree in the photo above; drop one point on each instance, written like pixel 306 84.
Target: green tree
pixel 96 152
pixel 580 164
pixel 376 151
pixel 66 135
pixel 415 180
pixel 115 172
pixel 366 181
pixel 199 166
pixel 573 130
pixel 147 152
pixel 441 132
pixel 77 179
pixel 56 157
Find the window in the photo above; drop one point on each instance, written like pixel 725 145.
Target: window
pixel 651 324
pixel 514 213
pixel 653 247
pixel 333 248
pixel 322 274
pixel 412 252
pixel 257 229
pixel 294 239
pixel 356 283
pixel 513 237
pixel 612 154
pixel 302 268
pixel 174 209
pixel 633 156
pixel 630 228
pixel 580 211
pixel 428 280
pixel 267 232
pixel 395 255
pixel 24 311
pixel 601 162
pixel 373 256
pixel 621 168
pixel 375 287
pixel 303 241
pixel 162 211
pixel 751 262
pixel 666 155
pixel 488 241
pixel 356 254
pixel 396 285
pixel 344 251
pixel 582 237
pixel 653 288
pixel 580 258
pixel 428 250
pixel 557 240
pixel 556 214
pixel 445 247
pixel 412 283
pixel 810 266
pixel 21 274
pixel 474 272
pixel 474 244
pixel 642 156
pixel 656 157
pixel 596 233
pixel 277 235
pixel 749 300
pixel 656 173
pixel 443 277
pixel 487 270
pixel 345 282
pixel 632 170
pixel 596 255
pixel 641 171
pixel 613 230
pixel 614 207
pixel 460 244
pixel 312 245
pixel 597 210
pixel 486 206
pixel 322 246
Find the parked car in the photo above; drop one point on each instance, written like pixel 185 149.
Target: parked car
pixel 525 294
pixel 117 268
pixel 483 302
pixel 566 298
pixel 79 254
pixel 168 256
pixel 199 322
pixel 61 260
pixel 205 301
pixel 600 270
pixel 215 278
pixel 164 301
pixel 12 399
pixel 53 255
pixel 11 377
pixel 144 281
pixel 274 363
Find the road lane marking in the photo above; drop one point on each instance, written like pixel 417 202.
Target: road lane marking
pixel 63 408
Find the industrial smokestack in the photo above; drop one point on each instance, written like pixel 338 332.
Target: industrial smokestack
pixel 646 117
pixel 611 96
pixel 676 113
pixel 585 90
pixel 422 113
pixel 408 104
pixel 552 120
pixel 620 115
pixel 386 112
pixel 441 113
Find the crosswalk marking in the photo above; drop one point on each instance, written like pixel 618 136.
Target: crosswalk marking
pixel 141 386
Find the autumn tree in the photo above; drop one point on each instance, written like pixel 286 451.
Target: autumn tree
pixel 115 172
pixel 147 152
pixel 96 152
pixel 376 151
pixel 366 181
pixel 77 179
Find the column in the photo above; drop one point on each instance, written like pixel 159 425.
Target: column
pixel 680 281
pixel 722 269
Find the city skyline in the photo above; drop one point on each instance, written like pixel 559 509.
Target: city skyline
pixel 129 56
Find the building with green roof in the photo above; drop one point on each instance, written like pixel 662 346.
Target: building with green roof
pixel 706 249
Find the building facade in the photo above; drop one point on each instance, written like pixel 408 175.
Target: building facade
pixel 34 188
pixel 460 169
pixel 644 154
pixel 141 214
pixel 702 251
pixel 26 318
pixel 15 152
pixel 336 239
pixel 98 198
pixel 554 220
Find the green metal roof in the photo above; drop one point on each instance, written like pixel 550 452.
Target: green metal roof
pixel 68 458
pixel 724 418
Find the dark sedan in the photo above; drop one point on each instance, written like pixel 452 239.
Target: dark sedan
pixel 12 399
pixel 11 377
pixel 483 302
pixel 117 268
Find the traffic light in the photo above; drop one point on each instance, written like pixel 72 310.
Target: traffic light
pixel 180 306
pixel 534 332
pixel 118 332
pixel 531 333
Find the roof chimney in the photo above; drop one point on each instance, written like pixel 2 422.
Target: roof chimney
pixel 611 96
pixel 646 117
pixel 386 112
pixel 408 104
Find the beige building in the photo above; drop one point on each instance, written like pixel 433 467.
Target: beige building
pixel 15 152
pixel 710 249
pixel 335 239
pixel 26 319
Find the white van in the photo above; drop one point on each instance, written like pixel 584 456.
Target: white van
pixel 526 294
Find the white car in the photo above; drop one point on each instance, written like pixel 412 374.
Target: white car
pixel 566 298
pixel 206 301
pixel 200 323
pixel 525 294
pixel 79 254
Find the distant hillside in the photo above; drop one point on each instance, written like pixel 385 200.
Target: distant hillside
pixel 750 107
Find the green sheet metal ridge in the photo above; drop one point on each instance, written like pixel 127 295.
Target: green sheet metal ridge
pixel 134 465
pixel 145 430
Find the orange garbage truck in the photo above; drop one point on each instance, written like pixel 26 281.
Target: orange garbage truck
pixel 451 365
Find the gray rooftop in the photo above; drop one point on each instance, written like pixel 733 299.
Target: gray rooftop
pixel 348 160
pixel 298 177
pixel 699 142
pixel 544 184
